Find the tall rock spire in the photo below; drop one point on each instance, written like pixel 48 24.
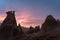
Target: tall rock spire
pixel 10 19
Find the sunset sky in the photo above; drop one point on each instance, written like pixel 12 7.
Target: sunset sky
pixel 30 12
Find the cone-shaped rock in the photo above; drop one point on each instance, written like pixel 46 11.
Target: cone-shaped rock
pixel 49 23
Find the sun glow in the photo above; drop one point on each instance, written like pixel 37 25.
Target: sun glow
pixel 21 20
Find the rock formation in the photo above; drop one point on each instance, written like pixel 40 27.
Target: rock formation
pixel 50 30
pixel 37 29
pixel 9 29
pixel 10 19
pixel 31 30
pixel 49 24
pixel 58 22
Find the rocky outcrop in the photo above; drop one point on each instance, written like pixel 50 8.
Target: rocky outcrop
pixel 49 30
pixel 30 30
pixel 10 19
pixel 49 24
pixel 37 29
pixel 9 29
pixel 58 22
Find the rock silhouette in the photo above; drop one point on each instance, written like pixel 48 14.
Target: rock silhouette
pixel 49 24
pixel 31 30
pixel 58 22
pixel 37 29
pixel 50 30
pixel 9 30
pixel 10 19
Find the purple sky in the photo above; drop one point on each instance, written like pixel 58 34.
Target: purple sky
pixel 30 12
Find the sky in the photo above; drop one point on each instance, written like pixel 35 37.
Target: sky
pixel 30 12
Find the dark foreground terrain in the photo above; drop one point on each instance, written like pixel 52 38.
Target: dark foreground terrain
pixel 9 30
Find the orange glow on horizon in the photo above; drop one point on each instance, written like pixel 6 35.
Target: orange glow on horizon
pixel 24 18
pixel 2 17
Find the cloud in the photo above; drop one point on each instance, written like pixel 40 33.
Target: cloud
pixel 25 18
